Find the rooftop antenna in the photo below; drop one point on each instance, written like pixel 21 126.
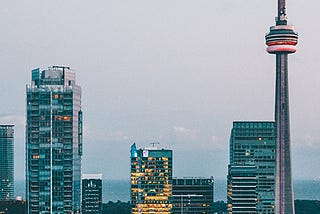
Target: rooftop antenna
pixel 154 143
pixel 282 14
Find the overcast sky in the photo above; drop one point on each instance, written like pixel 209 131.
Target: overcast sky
pixel 171 71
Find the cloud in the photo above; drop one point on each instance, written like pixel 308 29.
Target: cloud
pixel 119 135
pixel 103 135
pixel 183 132
pixel 214 139
pixel 196 138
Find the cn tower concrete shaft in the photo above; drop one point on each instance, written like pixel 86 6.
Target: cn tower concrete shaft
pixel 284 191
pixel 281 41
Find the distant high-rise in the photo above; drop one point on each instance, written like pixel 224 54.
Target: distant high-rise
pixel 151 180
pixel 6 162
pixel 282 41
pixel 91 193
pixel 192 195
pixel 53 142
pixel 252 147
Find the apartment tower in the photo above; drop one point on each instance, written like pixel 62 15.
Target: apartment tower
pixel 53 142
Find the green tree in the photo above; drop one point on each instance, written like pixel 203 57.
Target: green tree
pixel 116 208
pixel 307 206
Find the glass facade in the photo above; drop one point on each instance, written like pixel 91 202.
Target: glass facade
pixel 192 195
pixel 151 180
pixel 6 162
pixel 254 143
pixel 242 189
pixel 92 194
pixel 53 142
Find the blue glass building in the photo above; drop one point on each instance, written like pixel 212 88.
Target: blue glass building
pixel 53 142
pixel 252 154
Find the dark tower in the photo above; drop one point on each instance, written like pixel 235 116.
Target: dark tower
pixel 6 162
pixel 281 41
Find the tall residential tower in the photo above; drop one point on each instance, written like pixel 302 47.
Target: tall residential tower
pixel 281 41
pixel 6 163
pixel 53 142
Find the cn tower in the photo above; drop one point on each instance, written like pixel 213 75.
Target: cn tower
pixel 282 41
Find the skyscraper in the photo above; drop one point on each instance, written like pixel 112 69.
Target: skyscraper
pixel 53 142
pixel 6 162
pixel 252 146
pixel 281 41
pixel 91 193
pixel 151 180
pixel 192 195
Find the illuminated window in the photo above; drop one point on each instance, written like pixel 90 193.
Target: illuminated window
pixel 67 118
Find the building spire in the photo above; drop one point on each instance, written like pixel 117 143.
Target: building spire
pixel 282 15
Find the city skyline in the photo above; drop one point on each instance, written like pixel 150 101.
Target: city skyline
pixel 180 91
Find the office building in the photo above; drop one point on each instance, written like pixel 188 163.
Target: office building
pixel 6 162
pixel 53 142
pixel 92 194
pixel 151 180
pixel 253 146
pixel 242 189
pixel 192 195
pixel 282 41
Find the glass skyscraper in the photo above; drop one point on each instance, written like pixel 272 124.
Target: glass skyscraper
pixel 53 142
pixel 253 145
pixel 151 180
pixel 6 162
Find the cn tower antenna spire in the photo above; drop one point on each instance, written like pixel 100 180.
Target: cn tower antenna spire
pixel 282 41
pixel 282 15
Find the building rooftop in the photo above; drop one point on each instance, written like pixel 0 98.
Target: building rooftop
pixel 92 176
